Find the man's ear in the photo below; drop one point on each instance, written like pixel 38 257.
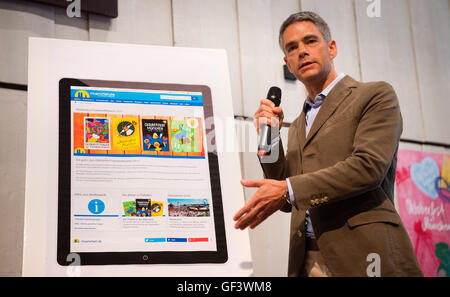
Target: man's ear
pixel 287 64
pixel 332 47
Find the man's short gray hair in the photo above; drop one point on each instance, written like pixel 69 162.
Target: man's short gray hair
pixel 306 16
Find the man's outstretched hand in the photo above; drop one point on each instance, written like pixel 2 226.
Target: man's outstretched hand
pixel 267 200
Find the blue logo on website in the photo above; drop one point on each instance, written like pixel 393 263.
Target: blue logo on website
pixel 96 206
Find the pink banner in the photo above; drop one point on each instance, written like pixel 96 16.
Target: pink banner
pixel 424 204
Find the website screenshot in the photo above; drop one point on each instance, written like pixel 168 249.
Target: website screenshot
pixel 140 176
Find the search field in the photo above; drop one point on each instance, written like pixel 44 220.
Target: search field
pixel 170 97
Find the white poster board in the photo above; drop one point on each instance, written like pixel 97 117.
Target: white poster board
pixel 51 60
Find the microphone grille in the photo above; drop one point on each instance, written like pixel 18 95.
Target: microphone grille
pixel 274 95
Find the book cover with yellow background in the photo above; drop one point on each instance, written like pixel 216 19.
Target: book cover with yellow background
pixel 126 134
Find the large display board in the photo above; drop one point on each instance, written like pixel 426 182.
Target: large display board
pixel 138 182
pixel 129 205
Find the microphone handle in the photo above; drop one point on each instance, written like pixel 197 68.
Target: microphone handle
pixel 265 140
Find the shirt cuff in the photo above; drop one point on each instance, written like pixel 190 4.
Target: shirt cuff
pixel 291 193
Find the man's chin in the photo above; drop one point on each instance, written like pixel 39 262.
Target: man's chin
pixel 307 76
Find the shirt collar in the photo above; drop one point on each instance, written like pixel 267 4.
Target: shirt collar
pixel 321 96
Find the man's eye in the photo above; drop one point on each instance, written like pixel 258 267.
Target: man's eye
pixel 311 41
pixel 291 48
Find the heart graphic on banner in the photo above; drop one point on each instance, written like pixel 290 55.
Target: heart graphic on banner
pixel 424 175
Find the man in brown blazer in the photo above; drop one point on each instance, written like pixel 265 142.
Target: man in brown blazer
pixel 338 175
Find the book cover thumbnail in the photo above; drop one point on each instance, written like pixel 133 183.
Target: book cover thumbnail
pixel 129 208
pixel 157 208
pixel 186 135
pixel 143 208
pixel 126 134
pixel 96 133
pixel 155 135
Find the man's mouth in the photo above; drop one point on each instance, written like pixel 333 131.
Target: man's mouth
pixel 305 65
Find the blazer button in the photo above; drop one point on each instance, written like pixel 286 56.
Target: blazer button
pixel 299 233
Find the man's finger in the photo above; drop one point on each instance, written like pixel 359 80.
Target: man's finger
pixel 265 108
pixel 268 117
pixel 248 219
pixel 277 110
pixel 252 183
pixel 255 123
pixel 260 217
pixel 259 220
pixel 246 208
pixel 267 102
pixel 240 213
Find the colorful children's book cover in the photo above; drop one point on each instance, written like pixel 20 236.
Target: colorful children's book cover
pixel 143 208
pixel 186 135
pixel 155 135
pixel 129 208
pixel 157 208
pixel 96 133
pixel 126 134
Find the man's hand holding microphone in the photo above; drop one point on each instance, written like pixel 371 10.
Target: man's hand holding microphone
pixel 271 194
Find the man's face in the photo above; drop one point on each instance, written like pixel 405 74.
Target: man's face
pixel 307 54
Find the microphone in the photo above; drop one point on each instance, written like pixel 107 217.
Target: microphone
pixel 265 139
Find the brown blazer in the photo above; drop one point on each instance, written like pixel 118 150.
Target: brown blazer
pixel 344 174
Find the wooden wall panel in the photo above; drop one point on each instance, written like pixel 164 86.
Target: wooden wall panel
pixel 387 54
pixel 18 21
pixel 142 22
pixel 13 127
pixel 71 28
pixel 211 24
pixel 430 21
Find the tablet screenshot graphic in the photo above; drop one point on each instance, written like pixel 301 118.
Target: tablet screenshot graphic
pixel 140 177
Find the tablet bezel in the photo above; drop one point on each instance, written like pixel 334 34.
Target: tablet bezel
pixel 64 255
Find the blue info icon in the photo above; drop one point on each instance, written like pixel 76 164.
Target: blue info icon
pixel 96 206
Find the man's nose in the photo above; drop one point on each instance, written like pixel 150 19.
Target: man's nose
pixel 302 51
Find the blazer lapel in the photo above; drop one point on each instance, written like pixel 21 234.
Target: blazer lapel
pixel 301 131
pixel 340 91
